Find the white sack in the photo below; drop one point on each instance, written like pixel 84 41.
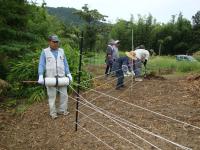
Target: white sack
pixel 52 81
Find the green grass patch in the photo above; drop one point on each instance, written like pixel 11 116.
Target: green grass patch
pixel 168 65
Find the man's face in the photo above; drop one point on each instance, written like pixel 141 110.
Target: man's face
pixel 54 44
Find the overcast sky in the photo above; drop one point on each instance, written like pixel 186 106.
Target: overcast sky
pixel 162 10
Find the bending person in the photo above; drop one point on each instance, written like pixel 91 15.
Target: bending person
pixel 121 66
pixel 142 57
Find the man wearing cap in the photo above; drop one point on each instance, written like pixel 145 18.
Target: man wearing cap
pixel 54 64
pixel 115 54
pixel 109 57
pixel 121 65
pixel 142 57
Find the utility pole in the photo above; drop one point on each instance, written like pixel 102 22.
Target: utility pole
pixel 132 40
pixel 160 45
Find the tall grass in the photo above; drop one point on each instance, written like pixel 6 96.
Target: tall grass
pixel 168 65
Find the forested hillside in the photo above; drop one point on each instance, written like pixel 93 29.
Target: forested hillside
pixel 66 15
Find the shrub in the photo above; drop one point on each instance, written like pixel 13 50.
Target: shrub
pixel 4 86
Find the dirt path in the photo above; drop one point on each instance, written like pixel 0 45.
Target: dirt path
pixel 170 97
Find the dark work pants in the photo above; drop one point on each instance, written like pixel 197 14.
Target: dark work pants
pixel 108 67
pixel 119 74
pixel 120 78
pixel 137 68
pixel 113 69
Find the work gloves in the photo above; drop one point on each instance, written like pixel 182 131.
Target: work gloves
pixel 145 62
pixel 70 77
pixel 41 79
pixel 133 73
pixel 124 68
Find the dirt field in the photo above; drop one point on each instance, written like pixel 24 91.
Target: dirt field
pixel 157 113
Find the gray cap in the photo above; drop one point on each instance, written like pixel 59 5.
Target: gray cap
pixel 54 38
pixel 142 47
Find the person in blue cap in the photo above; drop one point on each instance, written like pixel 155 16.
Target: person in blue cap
pixel 53 63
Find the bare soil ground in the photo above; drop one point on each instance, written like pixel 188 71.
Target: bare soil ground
pixel 139 106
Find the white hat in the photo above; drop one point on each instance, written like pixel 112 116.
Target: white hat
pixel 117 41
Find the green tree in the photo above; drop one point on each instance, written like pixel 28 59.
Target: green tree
pixel 183 35
pixel 13 30
pixel 93 19
pixel 196 19
pixel 176 36
pixel 143 32
pixel 122 31
pixel 195 33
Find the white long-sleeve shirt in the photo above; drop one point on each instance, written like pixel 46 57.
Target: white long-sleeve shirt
pixel 142 54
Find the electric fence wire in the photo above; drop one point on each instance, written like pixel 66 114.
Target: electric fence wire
pixel 116 123
pixel 112 131
pixel 91 89
pixel 100 76
pixel 96 86
pixel 139 128
pixel 110 103
pixel 135 126
pixel 95 136
pixel 155 112
pixel 143 108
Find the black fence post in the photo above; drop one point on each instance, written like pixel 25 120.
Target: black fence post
pixel 79 79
